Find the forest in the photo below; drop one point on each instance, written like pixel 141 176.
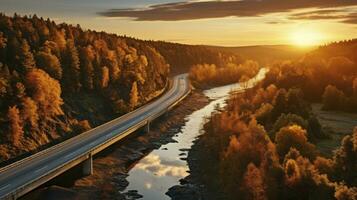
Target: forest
pixel 327 74
pixel 182 57
pixel 58 80
pixel 262 144
pixel 205 76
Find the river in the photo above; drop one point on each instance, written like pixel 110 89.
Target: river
pixel 161 169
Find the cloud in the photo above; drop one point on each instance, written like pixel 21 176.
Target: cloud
pixel 153 164
pixel 278 22
pixel 351 19
pixel 341 15
pixel 190 10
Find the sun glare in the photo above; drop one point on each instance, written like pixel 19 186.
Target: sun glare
pixel 305 37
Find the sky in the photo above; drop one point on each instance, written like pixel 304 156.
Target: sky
pixel 209 22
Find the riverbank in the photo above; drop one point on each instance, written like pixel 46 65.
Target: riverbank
pixel 194 186
pixel 149 165
pixel 111 167
pixel 110 170
pixel 201 184
pixel 204 185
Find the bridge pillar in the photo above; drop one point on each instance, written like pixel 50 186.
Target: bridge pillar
pixel 87 168
pixel 147 127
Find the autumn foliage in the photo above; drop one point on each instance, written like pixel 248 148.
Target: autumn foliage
pixel 57 80
pixel 46 91
pixel 262 146
pixel 15 126
pixel 63 79
pixel 182 57
pixel 208 75
pixel 327 74
pixel 293 136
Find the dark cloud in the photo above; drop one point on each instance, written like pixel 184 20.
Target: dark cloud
pixel 217 9
pixel 351 19
pixel 273 22
pixel 342 15
pixel 278 22
pixel 314 15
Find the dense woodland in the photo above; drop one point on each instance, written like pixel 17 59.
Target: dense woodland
pixel 327 74
pixel 262 144
pixel 210 75
pixel 182 57
pixel 57 80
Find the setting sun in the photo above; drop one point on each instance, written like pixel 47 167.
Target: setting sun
pixel 306 37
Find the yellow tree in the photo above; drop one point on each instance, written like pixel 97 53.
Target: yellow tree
pixel 105 77
pixel 15 126
pixel 29 111
pixel 46 92
pixel 293 136
pixel 253 183
pixel 134 98
pixel 27 60
pixel 49 63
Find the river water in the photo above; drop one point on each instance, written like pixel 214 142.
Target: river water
pixel 161 169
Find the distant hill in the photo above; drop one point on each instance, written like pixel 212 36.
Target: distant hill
pixel 346 48
pixel 265 54
pixel 182 57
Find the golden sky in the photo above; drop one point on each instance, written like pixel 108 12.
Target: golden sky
pixel 226 23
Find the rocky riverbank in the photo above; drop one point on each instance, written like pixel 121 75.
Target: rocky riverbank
pixel 197 186
pixel 111 167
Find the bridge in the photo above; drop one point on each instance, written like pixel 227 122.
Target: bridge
pixel 29 173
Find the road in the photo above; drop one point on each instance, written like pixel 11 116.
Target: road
pixel 23 176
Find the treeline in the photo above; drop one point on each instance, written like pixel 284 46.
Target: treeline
pixel 335 99
pixel 327 74
pixel 182 57
pixel 266 54
pixel 262 147
pixel 57 80
pixel 209 75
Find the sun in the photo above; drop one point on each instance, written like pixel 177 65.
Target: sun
pixel 306 37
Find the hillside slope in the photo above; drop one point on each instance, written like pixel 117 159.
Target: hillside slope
pixel 58 80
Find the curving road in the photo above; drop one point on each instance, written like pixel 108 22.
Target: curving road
pixel 27 174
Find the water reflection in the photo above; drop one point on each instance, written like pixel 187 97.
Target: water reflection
pixel 219 92
pixel 163 168
pixel 153 164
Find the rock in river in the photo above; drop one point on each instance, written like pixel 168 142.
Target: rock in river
pixel 184 192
